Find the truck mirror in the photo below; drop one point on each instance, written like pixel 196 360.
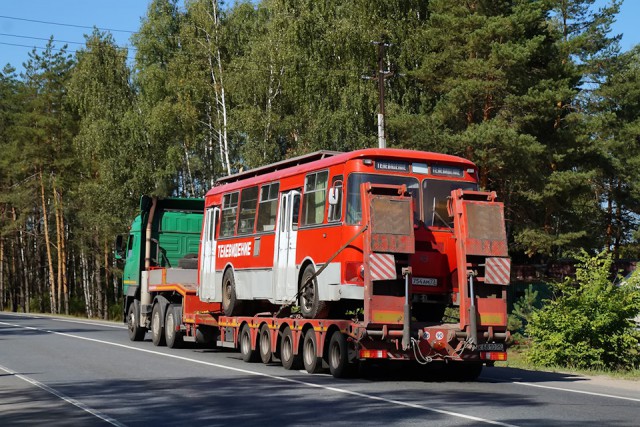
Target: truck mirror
pixel 118 253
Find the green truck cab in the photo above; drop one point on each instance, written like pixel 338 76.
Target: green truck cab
pixel 169 229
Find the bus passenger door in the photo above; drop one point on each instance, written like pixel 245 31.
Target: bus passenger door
pixel 285 281
pixel 208 248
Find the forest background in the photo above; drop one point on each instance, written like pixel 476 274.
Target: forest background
pixel 536 92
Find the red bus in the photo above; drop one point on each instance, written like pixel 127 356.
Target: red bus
pixel 291 233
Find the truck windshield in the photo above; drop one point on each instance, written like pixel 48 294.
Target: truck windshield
pixel 435 194
pixel 354 208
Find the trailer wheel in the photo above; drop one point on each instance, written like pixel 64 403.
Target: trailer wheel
pixel 289 360
pixel 312 363
pixel 172 321
pixel 157 330
pixel 264 343
pixel 310 305
pixel 248 355
pixel 230 303
pixel 338 356
pixel 136 333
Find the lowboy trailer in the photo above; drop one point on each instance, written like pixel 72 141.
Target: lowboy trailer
pixel 294 265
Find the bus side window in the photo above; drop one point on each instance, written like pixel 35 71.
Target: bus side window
pixel 335 199
pixel 315 192
pixel 267 207
pixel 248 205
pixel 295 221
pixel 229 211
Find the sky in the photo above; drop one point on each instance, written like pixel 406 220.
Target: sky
pixel 121 15
pixel 65 19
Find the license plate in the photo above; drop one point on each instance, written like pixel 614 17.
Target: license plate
pixel 491 346
pixel 424 281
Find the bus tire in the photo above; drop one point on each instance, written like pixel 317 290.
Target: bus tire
pixel 136 333
pixel 310 305
pixel 264 344
pixel 290 361
pixel 157 329
pixel 312 363
pixel 230 303
pixel 172 321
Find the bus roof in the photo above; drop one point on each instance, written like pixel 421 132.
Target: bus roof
pixel 323 159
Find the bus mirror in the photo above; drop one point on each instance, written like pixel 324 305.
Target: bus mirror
pixel 334 196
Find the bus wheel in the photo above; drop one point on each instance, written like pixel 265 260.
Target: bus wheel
pixel 264 343
pixel 312 363
pixel 157 330
pixel 248 355
pixel 338 356
pixel 289 360
pixel 230 303
pixel 310 305
pixel 172 321
pixel 136 333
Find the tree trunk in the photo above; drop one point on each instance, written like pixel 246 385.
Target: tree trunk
pixel 99 296
pixel 62 255
pixel 218 87
pixel 52 278
pixel 2 294
pixel 86 284
pixel 56 212
pixel 23 287
pixel 107 279
pixel 13 280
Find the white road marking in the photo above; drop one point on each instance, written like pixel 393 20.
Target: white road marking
pixel 67 399
pixel 57 319
pixel 276 377
pixel 573 391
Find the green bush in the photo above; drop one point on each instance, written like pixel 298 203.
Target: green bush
pixel 589 321
pixel 520 317
pixel 115 311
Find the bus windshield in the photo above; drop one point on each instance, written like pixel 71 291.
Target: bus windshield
pixel 354 208
pixel 435 193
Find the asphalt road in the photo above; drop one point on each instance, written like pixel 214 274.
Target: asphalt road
pixel 56 371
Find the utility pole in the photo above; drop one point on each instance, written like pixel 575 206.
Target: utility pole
pixel 380 76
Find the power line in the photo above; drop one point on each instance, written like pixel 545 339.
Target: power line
pixel 230 67
pixel 59 41
pixel 65 25
pixel 55 48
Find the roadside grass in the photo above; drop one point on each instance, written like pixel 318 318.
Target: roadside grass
pixel 517 359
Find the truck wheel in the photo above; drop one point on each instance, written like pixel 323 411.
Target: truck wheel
pixel 310 305
pixel 172 321
pixel 157 330
pixel 248 355
pixel 338 356
pixel 230 303
pixel 312 363
pixel 289 360
pixel 136 333
pixel 463 371
pixel 264 343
